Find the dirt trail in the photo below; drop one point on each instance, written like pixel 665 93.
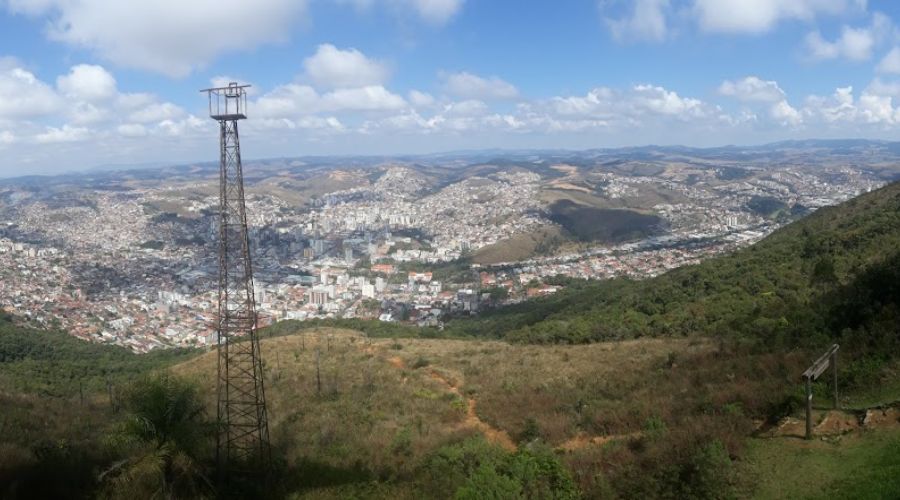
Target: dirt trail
pixel 838 422
pixel 472 420
pixel 491 433
pixel 583 440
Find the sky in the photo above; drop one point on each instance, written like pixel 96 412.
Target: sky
pixel 87 83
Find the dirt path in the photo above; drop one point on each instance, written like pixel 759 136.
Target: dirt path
pixel 491 433
pixel 583 440
pixel 473 421
pixel 838 422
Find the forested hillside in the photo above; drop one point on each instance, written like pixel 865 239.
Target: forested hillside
pixel 832 274
pixel 57 364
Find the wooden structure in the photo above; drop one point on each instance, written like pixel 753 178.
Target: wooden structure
pixel 812 374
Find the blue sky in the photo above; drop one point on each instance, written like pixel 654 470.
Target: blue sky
pixel 94 82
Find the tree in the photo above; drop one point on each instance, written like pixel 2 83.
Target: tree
pixel 167 434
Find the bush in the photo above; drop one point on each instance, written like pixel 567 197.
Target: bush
pixel 477 469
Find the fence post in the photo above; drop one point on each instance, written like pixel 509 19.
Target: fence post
pixel 834 369
pixel 809 397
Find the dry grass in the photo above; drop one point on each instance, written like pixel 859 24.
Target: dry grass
pixel 387 404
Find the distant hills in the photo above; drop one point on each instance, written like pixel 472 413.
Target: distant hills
pixel 835 273
pixel 467 157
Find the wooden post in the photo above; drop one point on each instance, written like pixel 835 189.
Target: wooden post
pixel 834 370
pixel 81 391
pixel 318 374
pixel 109 390
pixel 809 397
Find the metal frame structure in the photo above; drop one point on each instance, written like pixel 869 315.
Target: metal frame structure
pixel 243 434
pixel 812 373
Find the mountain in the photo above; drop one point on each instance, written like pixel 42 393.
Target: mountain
pixel 668 417
pixel 831 274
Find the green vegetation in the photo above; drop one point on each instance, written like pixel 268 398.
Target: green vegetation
pixel 56 364
pixel 603 225
pixel 855 466
pixel 832 275
pixel 474 469
pixel 165 435
pixel 543 241
pixel 372 328
pixel 766 206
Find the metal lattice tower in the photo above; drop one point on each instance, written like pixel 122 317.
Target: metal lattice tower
pixel 243 434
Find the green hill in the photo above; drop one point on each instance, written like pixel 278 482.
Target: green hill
pixel 833 274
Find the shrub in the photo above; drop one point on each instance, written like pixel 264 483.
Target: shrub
pixel 477 469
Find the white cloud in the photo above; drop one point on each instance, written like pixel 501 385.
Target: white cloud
pixel 435 11
pixel 471 107
pixel 647 21
pixel 66 133
pixel 166 36
pixel 759 16
pixel 88 83
pixel 420 99
pixel 659 100
pixel 156 112
pixel 370 98
pixel 132 130
pixel 855 44
pixel 785 113
pixel 752 89
pixel 468 86
pixel 286 101
pixel 25 96
pixel 331 67
pixel 890 63
pixel 294 100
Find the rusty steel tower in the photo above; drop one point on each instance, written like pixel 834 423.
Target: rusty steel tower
pixel 243 434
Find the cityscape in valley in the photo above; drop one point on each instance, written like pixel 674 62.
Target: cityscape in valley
pixel 128 257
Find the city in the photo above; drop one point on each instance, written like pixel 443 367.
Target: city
pixel 133 262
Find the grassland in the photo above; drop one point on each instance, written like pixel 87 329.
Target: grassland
pixel 625 419
pixel 858 465
pixel 612 412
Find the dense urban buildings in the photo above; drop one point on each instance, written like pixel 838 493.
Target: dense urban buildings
pixel 127 257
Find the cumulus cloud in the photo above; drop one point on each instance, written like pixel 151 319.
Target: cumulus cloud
pixel 331 67
pixel 295 100
pixel 890 63
pixel 468 86
pixel 855 44
pixel 420 99
pixel 87 82
pixel 66 133
pixel 33 98
pixel 646 22
pixel 759 16
pixel 752 88
pixel 165 36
